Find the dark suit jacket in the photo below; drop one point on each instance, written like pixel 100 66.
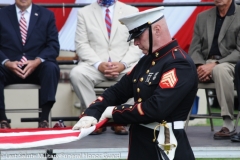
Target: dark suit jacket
pixel 42 37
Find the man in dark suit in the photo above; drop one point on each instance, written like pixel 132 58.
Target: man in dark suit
pixel 28 49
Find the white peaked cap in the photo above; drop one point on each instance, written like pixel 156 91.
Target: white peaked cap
pixel 138 22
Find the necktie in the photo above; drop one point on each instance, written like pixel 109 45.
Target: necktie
pixel 108 22
pixel 23 27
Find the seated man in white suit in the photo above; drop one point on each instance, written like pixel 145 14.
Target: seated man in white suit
pixel 103 50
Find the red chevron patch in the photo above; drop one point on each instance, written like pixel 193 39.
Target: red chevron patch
pixel 169 79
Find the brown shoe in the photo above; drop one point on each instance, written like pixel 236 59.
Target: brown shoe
pixel 43 124
pixel 120 130
pixel 224 134
pixel 99 131
pixel 5 125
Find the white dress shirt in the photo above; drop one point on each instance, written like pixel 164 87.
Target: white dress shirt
pixel 26 15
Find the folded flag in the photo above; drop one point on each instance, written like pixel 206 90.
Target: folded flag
pixel 27 138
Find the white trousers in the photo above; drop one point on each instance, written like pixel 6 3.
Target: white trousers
pixel 83 79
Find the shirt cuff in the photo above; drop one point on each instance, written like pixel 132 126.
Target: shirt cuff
pixel 97 64
pixel 125 65
pixel 42 60
pixel 3 62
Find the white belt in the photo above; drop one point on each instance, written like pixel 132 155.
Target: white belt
pixel 177 125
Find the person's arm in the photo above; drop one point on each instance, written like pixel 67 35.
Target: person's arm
pixel 14 67
pixel 52 47
pixel 3 57
pixel 99 110
pixel 115 95
pixel 165 101
pixel 195 49
pixel 132 55
pixel 230 41
pixel 158 106
pixel 84 51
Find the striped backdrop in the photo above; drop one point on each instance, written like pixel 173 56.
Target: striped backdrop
pixel 180 19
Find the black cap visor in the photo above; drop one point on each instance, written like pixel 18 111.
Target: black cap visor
pixel 135 34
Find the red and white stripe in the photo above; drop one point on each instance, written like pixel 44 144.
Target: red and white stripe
pixel 27 138
pixel 180 19
pixel 23 27
pixel 24 59
pixel 108 22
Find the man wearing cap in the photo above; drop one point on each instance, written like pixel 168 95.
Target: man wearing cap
pixel 215 50
pixel 103 50
pixel 162 93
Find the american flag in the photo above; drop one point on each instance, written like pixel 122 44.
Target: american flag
pixel 27 138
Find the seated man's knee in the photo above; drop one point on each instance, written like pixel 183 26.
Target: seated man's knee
pixel 50 69
pixel 51 66
pixel 76 74
pixel 220 69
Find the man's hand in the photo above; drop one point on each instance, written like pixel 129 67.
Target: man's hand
pixel 103 66
pixel 30 66
pixel 108 70
pixel 85 122
pixel 111 72
pixel 13 66
pixel 107 113
pixel 114 69
pixel 204 71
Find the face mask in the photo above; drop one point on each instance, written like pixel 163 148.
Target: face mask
pixel 106 3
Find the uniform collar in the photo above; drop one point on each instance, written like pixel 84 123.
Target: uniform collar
pixel 164 49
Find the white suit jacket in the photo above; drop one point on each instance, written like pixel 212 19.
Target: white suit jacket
pixel 92 42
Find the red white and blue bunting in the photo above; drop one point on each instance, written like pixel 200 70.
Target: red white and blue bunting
pixel 179 19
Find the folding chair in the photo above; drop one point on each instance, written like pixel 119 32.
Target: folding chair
pixel 209 115
pixel 24 110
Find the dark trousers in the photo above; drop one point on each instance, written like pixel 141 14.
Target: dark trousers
pixel 237 82
pixel 46 75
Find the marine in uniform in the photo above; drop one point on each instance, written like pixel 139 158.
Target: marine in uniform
pixel 163 84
